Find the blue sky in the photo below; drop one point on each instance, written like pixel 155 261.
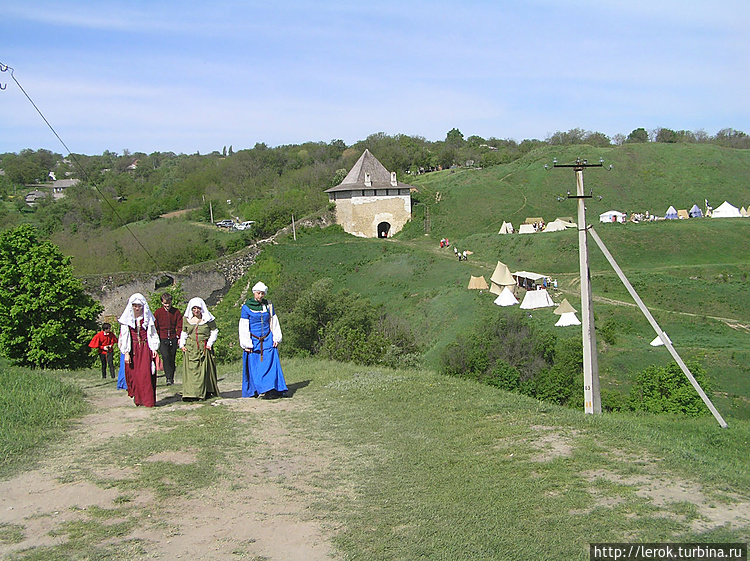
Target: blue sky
pixel 197 76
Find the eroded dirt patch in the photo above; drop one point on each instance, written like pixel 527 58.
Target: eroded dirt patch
pixel 261 510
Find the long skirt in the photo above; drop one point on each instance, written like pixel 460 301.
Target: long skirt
pixel 121 383
pixel 260 376
pixel 140 378
pixel 199 374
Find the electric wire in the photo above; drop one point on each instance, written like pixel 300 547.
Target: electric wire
pixel 82 170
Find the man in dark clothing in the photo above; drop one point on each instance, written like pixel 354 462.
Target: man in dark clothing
pixel 169 326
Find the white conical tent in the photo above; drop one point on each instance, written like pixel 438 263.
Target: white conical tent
pixel 478 283
pixel 568 318
pixel 536 299
pixel 506 228
pixel 657 342
pixel 564 308
pixel 506 298
pixel 501 277
pixel 567 314
pixel 671 213
pixel 695 212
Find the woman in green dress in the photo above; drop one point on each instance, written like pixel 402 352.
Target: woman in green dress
pixel 199 333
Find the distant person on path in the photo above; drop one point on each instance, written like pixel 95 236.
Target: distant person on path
pixel 138 343
pixel 260 334
pixel 199 333
pixel 169 327
pixel 105 342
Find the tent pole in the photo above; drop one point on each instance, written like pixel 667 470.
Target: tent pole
pixel 659 332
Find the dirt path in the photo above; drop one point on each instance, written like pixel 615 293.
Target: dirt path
pixel 260 512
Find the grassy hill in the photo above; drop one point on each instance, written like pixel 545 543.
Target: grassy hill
pixel 692 274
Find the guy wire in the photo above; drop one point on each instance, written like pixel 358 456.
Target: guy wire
pixel 5 68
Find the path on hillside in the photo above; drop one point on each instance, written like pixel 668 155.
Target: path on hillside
pixel 259 508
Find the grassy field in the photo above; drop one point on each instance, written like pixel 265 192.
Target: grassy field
pixel 692 274
pixel 402 465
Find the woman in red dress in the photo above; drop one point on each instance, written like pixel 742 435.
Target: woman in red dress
pixel 138 342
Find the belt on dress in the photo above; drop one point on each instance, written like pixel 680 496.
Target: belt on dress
pixel 261 339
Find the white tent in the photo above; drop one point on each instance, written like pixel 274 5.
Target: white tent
pixel 671 213
pixel 554 226
pixel 536 299
pixel 567 314
pixel 529 280
pixel 695 212
pixel 566 319
pixel 725 210
pixel 477 283
pixel 657 342
pixel 502 275
pixel 612 216
pixel 506 298
pixel 526 229
pixel 567 220
pixel 506 228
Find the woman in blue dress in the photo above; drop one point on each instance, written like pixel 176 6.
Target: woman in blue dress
pixel 260 334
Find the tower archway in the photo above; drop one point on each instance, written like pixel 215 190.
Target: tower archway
pixel 384 229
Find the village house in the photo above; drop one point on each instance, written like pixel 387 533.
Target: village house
pixel 370 201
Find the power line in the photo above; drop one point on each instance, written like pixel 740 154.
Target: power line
pixel 82 170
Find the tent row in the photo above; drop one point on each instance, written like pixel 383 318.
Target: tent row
pixel 535 225
pixel 725 210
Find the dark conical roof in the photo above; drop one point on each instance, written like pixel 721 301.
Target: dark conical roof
pixel 380 178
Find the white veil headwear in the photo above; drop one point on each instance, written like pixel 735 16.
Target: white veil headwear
pixel 207 316
pixel 128 317
pixel 260 287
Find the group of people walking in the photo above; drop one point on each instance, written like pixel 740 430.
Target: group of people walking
pixel 144 335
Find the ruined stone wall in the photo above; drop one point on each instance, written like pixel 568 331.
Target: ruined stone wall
pixel 210 280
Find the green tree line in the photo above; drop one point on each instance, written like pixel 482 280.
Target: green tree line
pixel 262 183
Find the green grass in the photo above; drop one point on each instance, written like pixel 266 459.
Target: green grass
pixel 408 464
pixel 35 409
pixel 446 469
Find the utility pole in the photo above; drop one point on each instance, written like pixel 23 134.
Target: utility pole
pixel 591 391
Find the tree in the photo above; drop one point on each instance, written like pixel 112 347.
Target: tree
pixel 638 135
pixel 454 138
pixel 665 135
pixel 46 318
pixel 666 389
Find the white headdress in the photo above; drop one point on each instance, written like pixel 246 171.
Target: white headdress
pixel 198 302
pixel 128 317
pixel 260 287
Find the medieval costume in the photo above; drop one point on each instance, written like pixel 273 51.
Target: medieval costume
pixel 138 342
pixel 199 333
pixel 260 333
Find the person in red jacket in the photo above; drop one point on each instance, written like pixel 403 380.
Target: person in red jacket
pixel 105 342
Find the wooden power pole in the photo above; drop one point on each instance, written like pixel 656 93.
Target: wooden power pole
pixel 591 391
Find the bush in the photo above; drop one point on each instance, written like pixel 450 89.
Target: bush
pixel 667 390
pixel 514 356
pixel 47 319
pixel 346 327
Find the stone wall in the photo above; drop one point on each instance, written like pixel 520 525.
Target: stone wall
pixel 210 280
